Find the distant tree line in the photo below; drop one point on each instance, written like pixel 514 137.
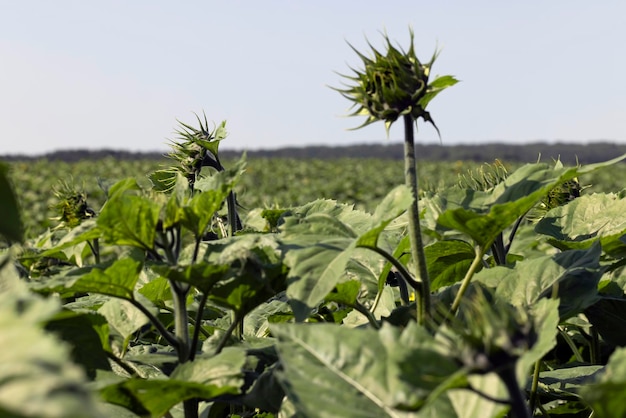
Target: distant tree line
pixel 567 152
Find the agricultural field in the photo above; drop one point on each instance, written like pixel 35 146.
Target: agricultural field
pixel 165 302
pixel 267 182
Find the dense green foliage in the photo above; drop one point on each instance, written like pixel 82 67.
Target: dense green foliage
pixel 109 299
pixel 268 182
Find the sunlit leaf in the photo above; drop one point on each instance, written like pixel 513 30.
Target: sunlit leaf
pixel 359 372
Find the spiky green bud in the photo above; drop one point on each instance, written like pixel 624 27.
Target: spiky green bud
pixel 393 84
pixel 71 206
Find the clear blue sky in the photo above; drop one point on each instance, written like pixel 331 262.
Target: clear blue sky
pixel 118 74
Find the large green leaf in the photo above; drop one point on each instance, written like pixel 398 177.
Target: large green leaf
pixel 129 218
pixel 572 275
pixel 565 383
pixel 204 378
pixel 359 372
pixel 10 221
pixel 116 279
pixel 321 238
pixel 37 378
pixel 606 394
pixel 585 220
pixel 483 215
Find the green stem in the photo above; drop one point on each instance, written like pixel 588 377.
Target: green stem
pixel 594 347
pixel 478 259
pixel 415 233
pixel 233 217
pixel 402 270
pixel 227 334
pixel 535 384
pixel 167 335
pixel 370 317
pixel 197 327
pixel 128 369
pixel 571 345
pixel 181 323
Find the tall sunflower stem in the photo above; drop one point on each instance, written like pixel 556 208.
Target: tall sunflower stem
pixel 415 233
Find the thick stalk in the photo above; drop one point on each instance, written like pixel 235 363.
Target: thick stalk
pixel 181 330
pixel 415 233
pixel 181 323
pixel 519 409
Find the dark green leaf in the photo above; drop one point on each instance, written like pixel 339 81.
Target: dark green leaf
pixel 448 261
pixel 116 279
pixel 204 378
pixel 88 335
pixel 128 219
pixel 608 317
pixel 10 221
pixel 345 293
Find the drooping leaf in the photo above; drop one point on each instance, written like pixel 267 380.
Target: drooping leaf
pixel 545 317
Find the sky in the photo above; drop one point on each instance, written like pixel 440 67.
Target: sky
pixel 114 74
